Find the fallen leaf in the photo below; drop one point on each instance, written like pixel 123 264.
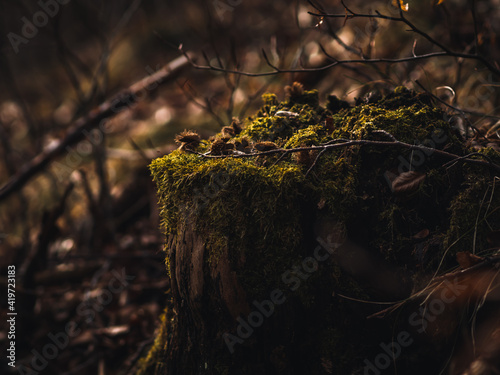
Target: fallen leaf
pixel 493 238
pixel 407 182
pixel 404 6
pixel 114 330
pixel 465 259
pixel 329 125
pixel 422 234
pixel 321 203
pixel 327 365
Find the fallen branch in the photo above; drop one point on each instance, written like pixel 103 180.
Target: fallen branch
pixel 437 282
pixel 359 142
pixel 105 111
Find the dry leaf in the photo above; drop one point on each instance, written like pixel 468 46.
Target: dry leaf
pixel 321 203
pixel 493 238
pixel 407 182
pixel 327 365
pixel 494 144
pixel 329 124
pixel 466 259
pixel 404 6
pixel 114 330
pixel 422 234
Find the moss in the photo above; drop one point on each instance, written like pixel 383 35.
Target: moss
pixel 407 124
pixel 311 136
pixel 489 154
pixel 242 201
pixel 403 96
pixel 334 104
pixel 260 209
pixel 270 99
pixel 474 213
pixel 309 98
pixel 278 121
pixel 153 362
pixel 235 200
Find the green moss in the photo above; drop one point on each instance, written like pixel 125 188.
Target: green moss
pixel 309 98
pixel 403 96
pixel 279 121
pixel 238 204
pixel 260 209
pixel 407 124
pixel 242 201
pixel 474 213
pixel 311 136
pixel 270 99
pixel 153 362
pixel 489 154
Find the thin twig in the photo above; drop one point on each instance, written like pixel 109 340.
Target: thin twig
pixel 358 142
pixel 459 110
pixel 416 30
pixel 206 105
pixel 474 18
pixel 84 124
pixel 436 281
pixel 445 51
pixel 315 161
pixel 308 70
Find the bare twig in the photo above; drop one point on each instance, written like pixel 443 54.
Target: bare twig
pixel 474 18
pixel 84 124
pixel 436 281
pixel 130 363
pixel 252 97
pixel 416 30
pixel 206 105
pixel 277 70
pixel 315 161
pixel 33 126
pixel 63 58
pixel 340 143
pixel 444 51
pixel 334 35
pixel 461 111
pixel 37 258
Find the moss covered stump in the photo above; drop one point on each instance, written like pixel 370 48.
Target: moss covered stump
pixel 287 233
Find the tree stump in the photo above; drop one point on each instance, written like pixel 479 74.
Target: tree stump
pixel 280 258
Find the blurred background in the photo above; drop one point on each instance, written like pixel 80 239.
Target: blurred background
pixel 88 222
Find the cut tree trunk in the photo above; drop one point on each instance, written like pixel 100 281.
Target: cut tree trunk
pixel 333 261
